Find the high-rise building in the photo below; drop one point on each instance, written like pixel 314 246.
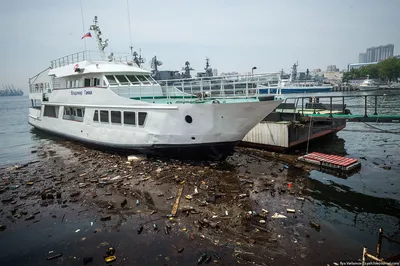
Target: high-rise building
pixel 376 54
pixel 215 72
pixel 362 58
pixel 332 68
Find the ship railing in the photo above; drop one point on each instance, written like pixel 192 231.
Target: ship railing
pixel 89 55
pixel 200 89
pixel 225 86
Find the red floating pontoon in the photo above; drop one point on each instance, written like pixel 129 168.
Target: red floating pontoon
pixel 330 161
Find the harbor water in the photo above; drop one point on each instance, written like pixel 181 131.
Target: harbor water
pixel 353 207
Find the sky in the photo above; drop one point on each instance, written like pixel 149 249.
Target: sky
pixel 236 35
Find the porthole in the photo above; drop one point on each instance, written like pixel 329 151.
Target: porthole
pixel 188 119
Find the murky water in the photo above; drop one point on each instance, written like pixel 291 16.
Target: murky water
pixel 78 235
pixel 350 208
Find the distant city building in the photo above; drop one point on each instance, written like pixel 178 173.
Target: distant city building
pixel 333 75
pixel 317 70
pixel 215 72
pixel 362 58
pixel 397 56
pixel 332 68
pixel 358 65
pixel 376 54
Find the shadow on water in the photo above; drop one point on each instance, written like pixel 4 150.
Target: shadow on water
pixel 333 194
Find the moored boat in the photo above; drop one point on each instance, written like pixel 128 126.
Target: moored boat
pixel 112 103
pixel 368 85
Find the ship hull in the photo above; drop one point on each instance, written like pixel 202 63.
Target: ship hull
pixel 212 134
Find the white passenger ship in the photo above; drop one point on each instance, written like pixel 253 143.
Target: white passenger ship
pixel 113 103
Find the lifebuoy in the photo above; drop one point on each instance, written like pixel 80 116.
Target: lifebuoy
pixel 76 66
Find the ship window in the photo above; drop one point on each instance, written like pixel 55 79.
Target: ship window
pixel 111 80
pixel 104 116
pixel 76 83
pixel 67 111
pixel 142 79
pixel 74 114
pixel 129 118
pixel 116 117
pixel 122 79
pixel 96 116
pixel 96 82
pixel 133 79
pixel 87 83
pixel 50 111
pixel 142 118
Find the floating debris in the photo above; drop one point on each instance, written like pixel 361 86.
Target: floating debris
pixel 124 203
pixel 140 229
pixel 110 259
pixel 315 225
pixel 54 257
pixel 202 257
pixel 278 216
pixel 105 218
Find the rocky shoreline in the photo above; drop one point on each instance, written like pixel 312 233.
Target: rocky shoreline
pixel 254 208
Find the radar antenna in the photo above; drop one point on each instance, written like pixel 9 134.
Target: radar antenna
pixel 154 64
pixel 208 69
pixel 100 43
pixel 137 58
pixel 187 69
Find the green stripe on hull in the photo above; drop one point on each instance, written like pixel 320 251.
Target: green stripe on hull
pixel 191 99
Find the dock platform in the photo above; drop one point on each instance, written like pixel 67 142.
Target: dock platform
pixel 361 118
pixel 284 131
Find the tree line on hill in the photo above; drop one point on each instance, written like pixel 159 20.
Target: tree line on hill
pixel 386 70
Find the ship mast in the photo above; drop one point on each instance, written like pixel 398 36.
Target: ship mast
pixel 100 43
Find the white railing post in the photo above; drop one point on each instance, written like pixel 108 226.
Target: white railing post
pixel 210 87
pixel 247 86
pixel 201 88
pixel 153 95
pixel 222 89
pixel 183 90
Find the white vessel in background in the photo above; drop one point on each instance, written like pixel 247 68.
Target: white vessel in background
pixel 294 85
pixel 115 104
pixel 368 85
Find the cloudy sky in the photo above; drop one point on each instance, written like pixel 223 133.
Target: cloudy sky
pixel 235 34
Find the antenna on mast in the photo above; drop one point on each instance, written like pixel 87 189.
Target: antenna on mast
pixel 83 24
pixel 100 43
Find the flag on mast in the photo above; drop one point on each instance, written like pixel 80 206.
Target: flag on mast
pixel 86 35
